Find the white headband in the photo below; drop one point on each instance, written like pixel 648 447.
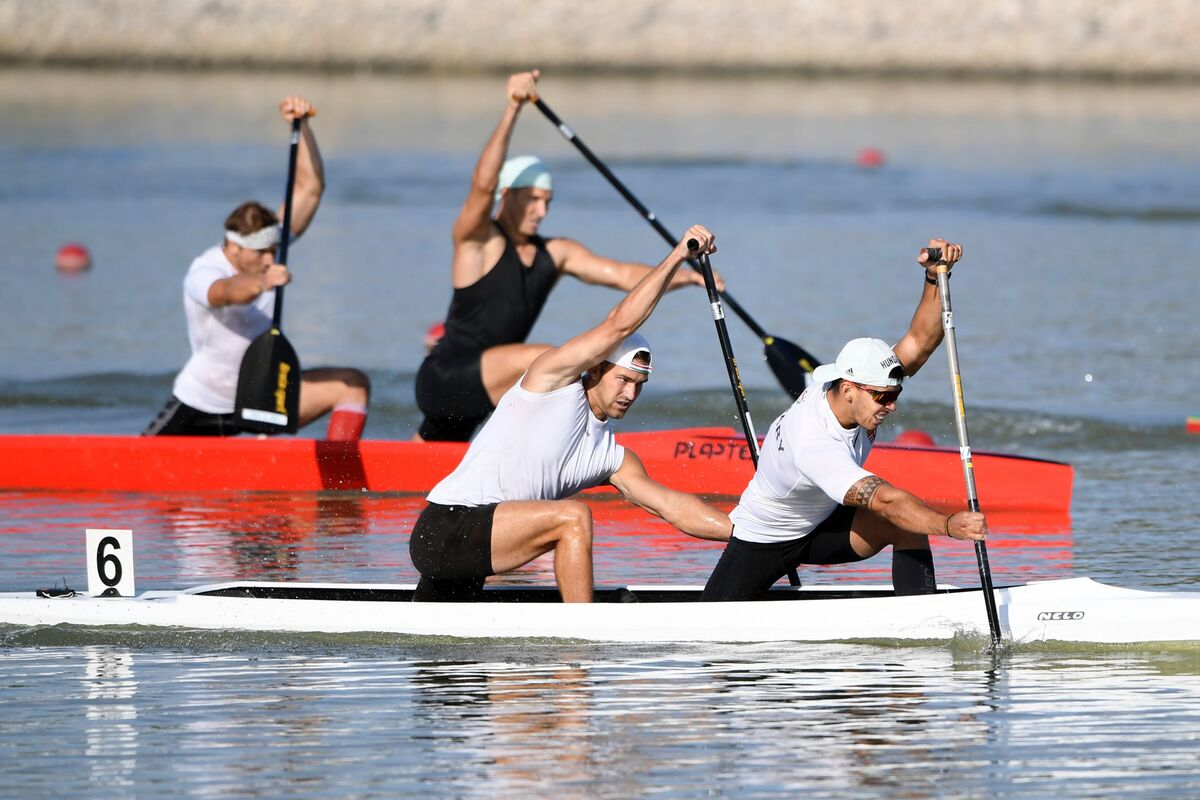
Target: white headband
pixel 261 239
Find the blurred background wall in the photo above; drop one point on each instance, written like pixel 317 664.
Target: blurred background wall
pixel 1089 38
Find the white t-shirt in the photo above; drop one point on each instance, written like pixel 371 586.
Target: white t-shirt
pixel 219 336
pixel 535 446
pixel 808 463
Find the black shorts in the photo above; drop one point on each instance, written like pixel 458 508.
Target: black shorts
pixel 748 569
pixel 451 546
pixel 451 395
pixel 179 419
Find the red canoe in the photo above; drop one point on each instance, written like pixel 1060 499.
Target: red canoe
pixel 709 461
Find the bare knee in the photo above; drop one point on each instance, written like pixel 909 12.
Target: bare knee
pixel 358 387
pixel 575 521
pixel 357 379
pixel 353 380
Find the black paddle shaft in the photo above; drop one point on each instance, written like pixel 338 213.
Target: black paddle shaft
pixel 731 368
pixel 286 233
pixel 735 378
pixel 789 352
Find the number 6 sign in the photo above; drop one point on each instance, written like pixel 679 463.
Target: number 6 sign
pixel 110 563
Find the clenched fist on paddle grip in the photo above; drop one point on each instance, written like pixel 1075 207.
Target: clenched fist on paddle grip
pixel 293 108
pixel 697 241
pixel 522 87
pixel 939 250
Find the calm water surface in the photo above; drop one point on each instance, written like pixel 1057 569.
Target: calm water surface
pixel 1078 210
pixel 374 718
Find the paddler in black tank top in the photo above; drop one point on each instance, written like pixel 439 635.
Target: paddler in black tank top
pixel 502 273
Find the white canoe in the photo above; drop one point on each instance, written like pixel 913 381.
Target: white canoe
pixel 1074 610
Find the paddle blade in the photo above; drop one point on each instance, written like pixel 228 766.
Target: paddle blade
pixel 268 392
pixel 790 362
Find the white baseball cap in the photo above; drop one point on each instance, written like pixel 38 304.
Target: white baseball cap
pixel 871 362
pixel 622 355
pixel 521 172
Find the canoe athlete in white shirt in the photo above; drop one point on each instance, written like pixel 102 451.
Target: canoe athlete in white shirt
pixel 811 501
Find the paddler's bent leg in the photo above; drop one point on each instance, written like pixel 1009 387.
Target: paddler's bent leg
pixel 344 391
pixel 457 392
pixel 522 530
pixel 501 367
pixel 912 560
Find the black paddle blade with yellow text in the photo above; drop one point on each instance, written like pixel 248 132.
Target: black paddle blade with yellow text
pixel 268 391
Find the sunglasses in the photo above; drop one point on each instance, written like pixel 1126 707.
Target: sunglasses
pixel 883 398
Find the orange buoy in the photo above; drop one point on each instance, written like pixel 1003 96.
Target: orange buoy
pixel 915 438
pixel 73 257
pixel 870 157
pixel 1193 424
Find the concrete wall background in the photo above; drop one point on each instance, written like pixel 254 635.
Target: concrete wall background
pixel 1091 38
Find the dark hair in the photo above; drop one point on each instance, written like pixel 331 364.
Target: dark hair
pixel 642 357
pixel 250 217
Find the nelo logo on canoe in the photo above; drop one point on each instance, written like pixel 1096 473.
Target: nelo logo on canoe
pixel 1059 616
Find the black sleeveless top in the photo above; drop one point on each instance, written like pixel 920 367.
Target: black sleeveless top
pixel 502 306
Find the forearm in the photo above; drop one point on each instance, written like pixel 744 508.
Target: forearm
pixel 684 276
pixel 693 516
pixel 926 324
pixel 925 331
pixel 685 512
pixel 600 271
pixel 310 181
pixel 625 275
pixel 312 166
pixel 238 290
pixel 907 512
pixel 631 312
pixel 487 170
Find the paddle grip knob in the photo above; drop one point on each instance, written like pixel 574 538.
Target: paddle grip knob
pixel 693 245
pixel 934 255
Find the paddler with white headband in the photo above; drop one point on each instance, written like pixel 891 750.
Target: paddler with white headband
pixel 228 299
pixel 502 273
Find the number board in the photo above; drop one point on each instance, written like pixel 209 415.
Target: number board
pixel 110 563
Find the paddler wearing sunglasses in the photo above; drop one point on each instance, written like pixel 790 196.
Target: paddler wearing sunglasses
pixel 811 501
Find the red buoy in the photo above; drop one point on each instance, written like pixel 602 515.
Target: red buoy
pixel 434 335
pixel 870 157
pixel 915 438
pixel 73 257
pixel 1193 424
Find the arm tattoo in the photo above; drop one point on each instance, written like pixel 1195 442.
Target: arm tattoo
pixel 860 494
